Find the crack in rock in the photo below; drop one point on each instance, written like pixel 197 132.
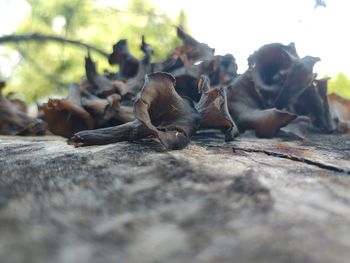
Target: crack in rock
pixel 292 157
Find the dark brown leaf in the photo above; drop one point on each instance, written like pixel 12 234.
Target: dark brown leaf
pixel 249 111
pixel 67 116
pixel 213 109
pixel 128 64
pixel 13 121
pixel 102 86
pixel 192 51
pixel 160 112
pixel 167 116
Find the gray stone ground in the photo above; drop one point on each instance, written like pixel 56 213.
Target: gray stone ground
pixel 251 200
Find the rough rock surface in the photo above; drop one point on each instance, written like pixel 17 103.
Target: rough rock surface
pixel 251 200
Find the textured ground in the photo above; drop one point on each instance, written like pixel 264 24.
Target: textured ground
pixel 251 200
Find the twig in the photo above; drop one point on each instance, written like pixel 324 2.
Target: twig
pixel 43 38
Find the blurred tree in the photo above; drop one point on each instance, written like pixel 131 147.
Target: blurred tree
pixel 47 68
pixel 340 85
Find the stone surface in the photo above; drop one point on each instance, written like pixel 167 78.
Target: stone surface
pixel 251 200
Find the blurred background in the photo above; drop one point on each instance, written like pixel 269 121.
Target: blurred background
pixel 36 70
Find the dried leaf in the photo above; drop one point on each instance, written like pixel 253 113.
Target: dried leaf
pixel 249 112
pixel 13 121
pixel 67 116
pixel 213 109
pixel 160 112
pixel 167 116
pixel 102 86
pixel 128 64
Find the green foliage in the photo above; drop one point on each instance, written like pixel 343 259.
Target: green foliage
pixel 47 68
pixel 340 85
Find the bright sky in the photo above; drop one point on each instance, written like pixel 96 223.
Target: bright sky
pixel 242 26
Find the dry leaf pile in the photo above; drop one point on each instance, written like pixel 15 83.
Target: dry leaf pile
pixel 191 89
